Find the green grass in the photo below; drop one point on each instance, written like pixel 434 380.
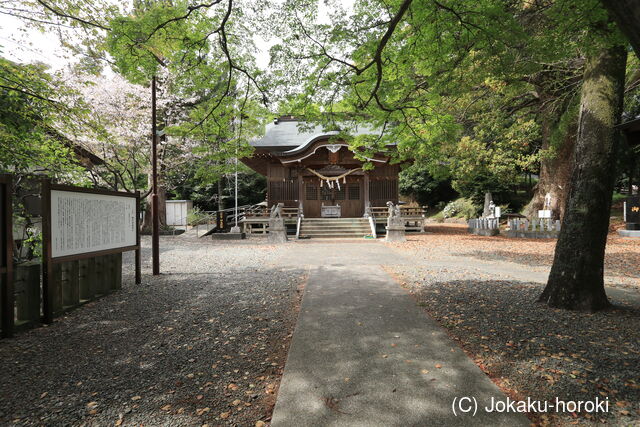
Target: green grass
pixel 438 217
pixel 617 197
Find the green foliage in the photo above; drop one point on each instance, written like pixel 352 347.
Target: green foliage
pixel 31 245
pixel 618 197
pixel 461 208
pixel 197 216
pixel 207 55
pixel 493 157
pixel 33 116
pixel 416 181
pixel 252 189
pixel 463 96
pixel 154 37
pixel 437 217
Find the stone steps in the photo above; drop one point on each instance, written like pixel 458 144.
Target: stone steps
pixel 335 227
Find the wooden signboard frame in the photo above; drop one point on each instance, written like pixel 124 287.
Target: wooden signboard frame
pixel 48 261
pixel 7 296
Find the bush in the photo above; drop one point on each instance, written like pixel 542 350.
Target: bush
pixel 197 216
pixel 439 217
pixel 461 208
pixel 416 181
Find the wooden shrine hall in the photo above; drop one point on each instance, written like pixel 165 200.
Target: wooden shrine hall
pixel 309 169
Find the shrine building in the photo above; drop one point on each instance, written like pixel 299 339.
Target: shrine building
pixel 308 168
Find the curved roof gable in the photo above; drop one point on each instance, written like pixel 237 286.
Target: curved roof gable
pixel 285 135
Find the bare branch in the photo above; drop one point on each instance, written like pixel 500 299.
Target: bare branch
pixel 75 18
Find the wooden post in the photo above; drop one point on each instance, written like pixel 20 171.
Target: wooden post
pixel 116 265
pixel 103 274
pixel 71 284
pixel 86 279
pixel 155 212
pixel 27 286
pixel 137 252
pixel 365 183
pixel 7 296
pixel 55 284
pixel 48 284
pixel 300 192
pixel 99 275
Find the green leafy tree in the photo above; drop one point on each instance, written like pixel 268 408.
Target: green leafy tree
pixel 417 182
pixel 463 94
pixel 36 109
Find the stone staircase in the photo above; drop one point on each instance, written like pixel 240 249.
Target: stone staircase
pixel 354 228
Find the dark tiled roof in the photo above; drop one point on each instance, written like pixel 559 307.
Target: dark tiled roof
pixel 290 134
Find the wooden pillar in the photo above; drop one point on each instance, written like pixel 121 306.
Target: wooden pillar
pixel 116 265
pixel 55 286
pixel 300 191
pixel 102 275
pixel 87 279
pixel 367 202
pixel 48 282
pixel 7 292
pixel 70 284
pixel 138 252
pixel 27 280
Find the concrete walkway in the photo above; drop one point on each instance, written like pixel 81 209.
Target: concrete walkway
pixel 364 354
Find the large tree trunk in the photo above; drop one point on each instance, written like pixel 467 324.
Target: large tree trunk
pixel 576 280
pixel 220 190
pixel 626 13
pixel 555 174
pixel 162 207
pixel 559 123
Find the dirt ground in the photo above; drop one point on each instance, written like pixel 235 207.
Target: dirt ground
pixel 480 289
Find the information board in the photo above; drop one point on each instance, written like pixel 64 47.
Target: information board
pixel 86 222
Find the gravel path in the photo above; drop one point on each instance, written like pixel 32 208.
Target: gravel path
pixel 528 349
pixel 452 240
pixel 204 343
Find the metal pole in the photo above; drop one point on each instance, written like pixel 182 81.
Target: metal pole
pixel 155 218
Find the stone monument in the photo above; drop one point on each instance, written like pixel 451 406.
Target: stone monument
pixel 395 224
pixel 631 217
pixel 488 199
pixel 277 229
pixel 545 212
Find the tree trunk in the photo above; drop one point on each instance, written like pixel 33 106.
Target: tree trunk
pixel 626 13
pixel 555 174
pixel 576 280
pixel 162 207
pixel 220 190
pixel 559 123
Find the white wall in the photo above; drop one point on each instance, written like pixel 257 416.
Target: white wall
pixel 177 211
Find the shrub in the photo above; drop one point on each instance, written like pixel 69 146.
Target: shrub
pixel 461 208
pixel 197 216
pixel 416 181
pixel 439 217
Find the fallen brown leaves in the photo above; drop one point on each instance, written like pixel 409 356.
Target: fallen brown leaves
pixel 528 349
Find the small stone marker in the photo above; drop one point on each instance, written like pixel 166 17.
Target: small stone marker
pixel 488 199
